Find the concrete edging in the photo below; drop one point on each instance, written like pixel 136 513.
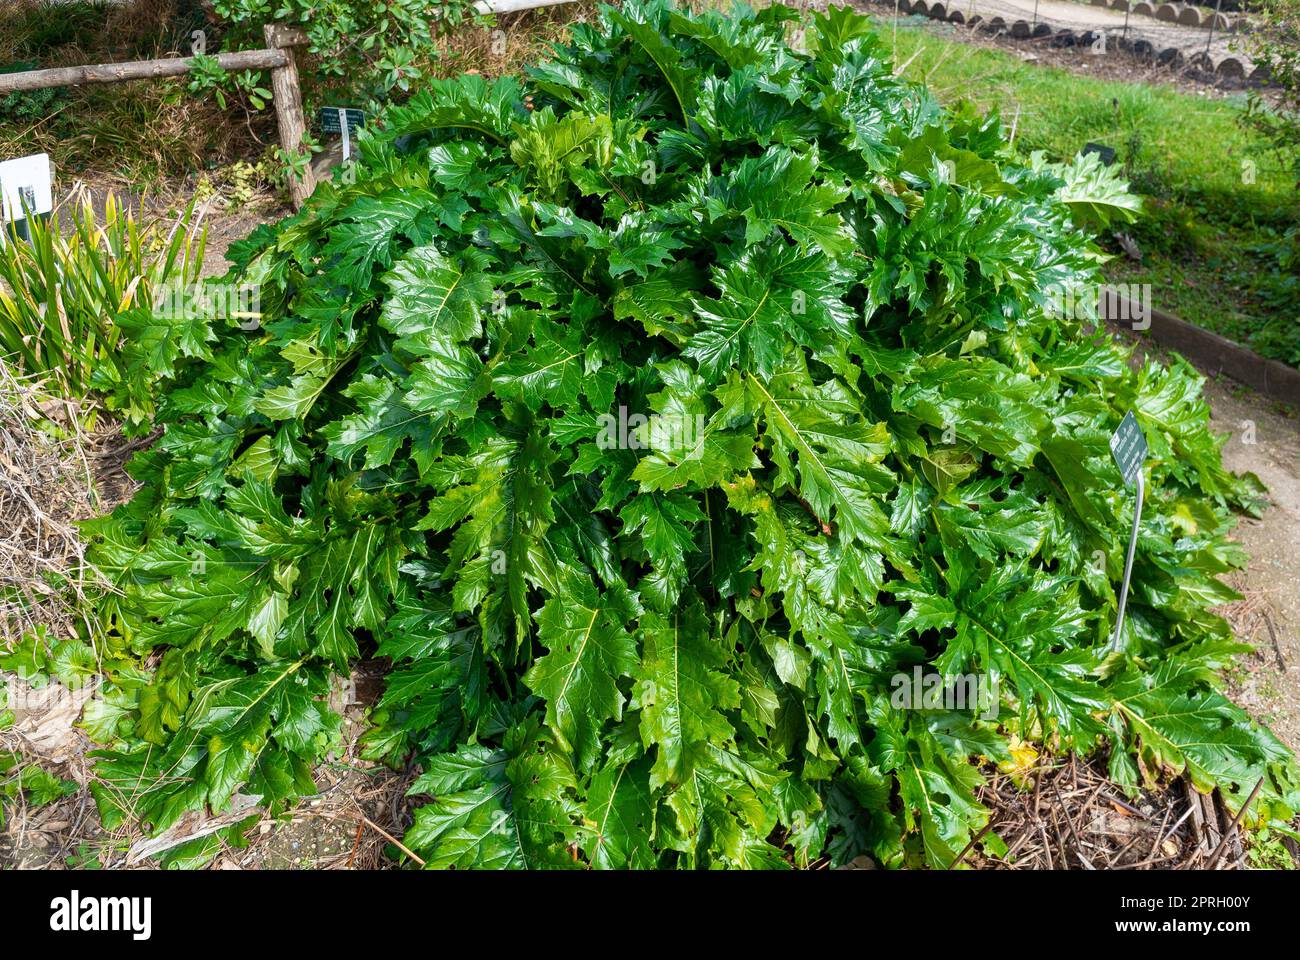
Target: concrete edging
pixel 1211 352
pixel 1221 67
pixel 1186 14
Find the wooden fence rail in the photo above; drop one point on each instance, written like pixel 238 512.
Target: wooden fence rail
pixel 278 58
pixel 135 70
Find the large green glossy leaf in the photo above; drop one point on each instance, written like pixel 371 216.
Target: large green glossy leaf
pixel 648 438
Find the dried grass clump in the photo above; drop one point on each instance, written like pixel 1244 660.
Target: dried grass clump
pixel 517 39
pixel 46 486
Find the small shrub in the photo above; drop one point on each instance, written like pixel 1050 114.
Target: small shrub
pixel 370 51
pixel 1275 46
pixel 27 107
pixel 654 419
pixel 27 784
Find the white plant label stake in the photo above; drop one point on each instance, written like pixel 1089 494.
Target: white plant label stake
pixel 26 185
pixel 1128 446
pixel 342 120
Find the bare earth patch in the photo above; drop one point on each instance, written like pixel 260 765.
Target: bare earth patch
pixel 1265 439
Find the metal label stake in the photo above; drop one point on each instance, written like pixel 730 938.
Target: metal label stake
pixel 1128 446
pixel 347 135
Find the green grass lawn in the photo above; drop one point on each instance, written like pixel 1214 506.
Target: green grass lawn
pixel 1209 237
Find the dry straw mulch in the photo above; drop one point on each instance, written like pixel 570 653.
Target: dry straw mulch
pixel 53 474
pixel 1071 816
pixel 47 473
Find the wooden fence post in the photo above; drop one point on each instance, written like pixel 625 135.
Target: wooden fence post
pixel 287 97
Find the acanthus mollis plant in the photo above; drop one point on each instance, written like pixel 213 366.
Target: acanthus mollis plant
pixel 653 418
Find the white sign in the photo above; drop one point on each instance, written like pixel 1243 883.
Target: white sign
pixel 27 181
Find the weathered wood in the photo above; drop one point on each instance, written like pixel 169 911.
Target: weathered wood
pixel 287 97
pixel 136 70
pixel 1213 353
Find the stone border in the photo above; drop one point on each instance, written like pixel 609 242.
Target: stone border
pixel 1185 14
pixel 1229 67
